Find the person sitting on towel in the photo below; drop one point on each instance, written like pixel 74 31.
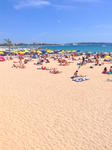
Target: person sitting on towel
pixel 105 70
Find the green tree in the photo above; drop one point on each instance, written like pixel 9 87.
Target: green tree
pixel 8 43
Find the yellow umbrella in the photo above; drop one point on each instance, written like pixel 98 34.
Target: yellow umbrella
pixel 73 51
pixel 22 53
pixel 15 52
pixel 39 52
pixel 49 51
pixel 108 58
pixel 62 51
pixel 26 51
pixel 1 53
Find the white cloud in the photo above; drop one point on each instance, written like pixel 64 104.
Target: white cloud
pixel 31 3
pixel 38 3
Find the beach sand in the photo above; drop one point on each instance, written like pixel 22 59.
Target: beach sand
pixel 42 111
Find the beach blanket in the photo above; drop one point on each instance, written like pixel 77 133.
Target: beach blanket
pixel 109 72
pixel 80 79
pixel 43 69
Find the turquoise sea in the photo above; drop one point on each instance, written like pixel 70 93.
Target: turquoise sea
pixel 93 48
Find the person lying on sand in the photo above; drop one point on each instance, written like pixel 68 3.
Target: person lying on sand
pixel 47 60
pixel 90 61
pixel 21 66
pixel 54 71
pixel 26 61
pixel 18 64
pixel 63 62
pixel 109 80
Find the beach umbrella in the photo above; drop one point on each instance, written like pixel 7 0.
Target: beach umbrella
pixel 15 52
pixel 49 51
pixel 62 51
pixel 26 51
pixel 1 53
pixel 107 58
pixel 78 51
pixel 69 51
pixel 73 51
pixel 39 52
pixel 21 53
pixel 3 50
pixel 43 51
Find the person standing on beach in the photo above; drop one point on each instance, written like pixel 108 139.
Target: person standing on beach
pixel 83 60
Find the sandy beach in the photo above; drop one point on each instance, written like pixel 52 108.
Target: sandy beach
pixel 43 111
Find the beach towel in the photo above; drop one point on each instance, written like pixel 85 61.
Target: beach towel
pixel 80 79
pixel 2 59
pixel 109 72
pixel 43 69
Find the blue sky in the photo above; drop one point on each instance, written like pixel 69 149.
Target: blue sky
pixel 56 21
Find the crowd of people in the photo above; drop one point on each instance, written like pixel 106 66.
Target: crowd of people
pixel 63 60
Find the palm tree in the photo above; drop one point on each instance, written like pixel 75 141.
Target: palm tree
pixel 8 43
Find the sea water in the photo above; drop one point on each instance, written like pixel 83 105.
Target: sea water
pixel 93 48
